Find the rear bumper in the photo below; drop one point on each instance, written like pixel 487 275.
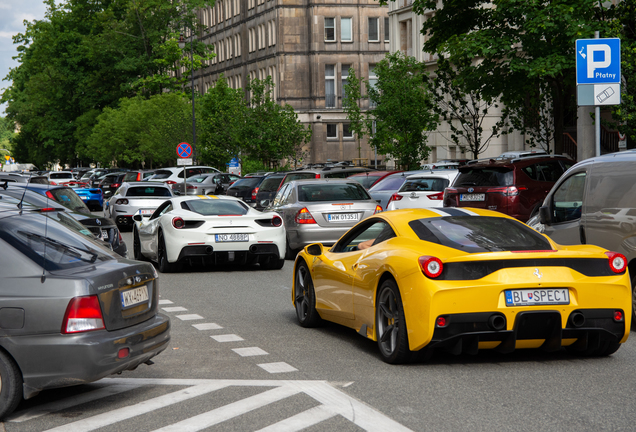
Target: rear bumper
pixel 299 238
pixel 57 360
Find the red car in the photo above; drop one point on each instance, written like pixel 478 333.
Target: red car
pixel 515 187
pixel 370 178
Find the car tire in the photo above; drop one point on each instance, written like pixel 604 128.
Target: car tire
pixel 273 263
pixel 162 258
pixel 290 254
pixel 390 324
pixel 10 385
pixel 305 297
pixel 634 303
pixel 137 247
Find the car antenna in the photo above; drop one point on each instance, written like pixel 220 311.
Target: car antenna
pixel 46 227
pixel 22 199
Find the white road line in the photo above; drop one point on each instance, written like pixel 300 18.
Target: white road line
pixel 174 309
pixel 279 367
pixel 165 302
pixel 227 338
pixel 189 317
pixel 144 407
pixel 301 421
pixel 69 402
pixel 219 415
pixel 207 326
pixel 251 351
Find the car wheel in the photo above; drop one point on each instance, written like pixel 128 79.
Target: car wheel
pixel 10 385
pixel 137 246
pixel 390 324
pixel 162 257
pixel 290 254
pixel 634 303
pixel 305 297
pixel 273 263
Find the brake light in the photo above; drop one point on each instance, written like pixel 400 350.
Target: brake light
pixel 617 261
pixel 122 201
pixel 378 209
pixel 177 222
pixel 139 177
pixel 47 209
pixel 83 314
pixel 50 195
pixel 193 187
pixel 431 266
pixel 395 197
pixel 304 217
pixel 115 185
pixel 171 182
pixel 52 183
pixel 317 175
pixel 254 192
pixel 508 191
pixel 436 197
pixel 277 221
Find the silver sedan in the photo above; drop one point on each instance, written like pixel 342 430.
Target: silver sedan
pixel 136 197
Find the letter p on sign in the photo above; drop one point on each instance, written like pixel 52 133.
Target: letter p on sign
pixel 593 52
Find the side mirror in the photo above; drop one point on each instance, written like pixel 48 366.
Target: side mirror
pixel 138 218
pixel 264 203
pixel 176 192
pixel 544 215
pixel 315 249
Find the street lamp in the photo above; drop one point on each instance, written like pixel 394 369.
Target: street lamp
pixel 182 44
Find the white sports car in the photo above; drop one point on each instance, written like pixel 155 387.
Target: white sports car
pixel 212 229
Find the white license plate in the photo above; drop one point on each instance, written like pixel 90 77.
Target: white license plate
pixel 134 296
pixel 340 217
pixel 104 235
pixel 146 212
pixel 472 197
pixel 220 238
pixel 532 297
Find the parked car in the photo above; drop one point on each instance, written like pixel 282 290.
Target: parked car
pixel 13 178
pixel 335 171
pixel 136 197
pixel 102 228
pixel 462 280
pixel 321 210
pixel 175 174
pixel 441 166
pixel 60 177
pixel 423 190
pixel 246 189
pixel 71 311
pixel 267 189
pixel 206 184
pixel 140 175
pixel 369 179
pixel 78 172
pixel 98 174
pixel 217 230
pixel 92 197
pixel 522 154
pixel 385 188
pixel 110 183
pixel 64 195
pixel 595 203
pixel 515 187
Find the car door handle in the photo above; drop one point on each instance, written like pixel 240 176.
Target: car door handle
pixel 355 266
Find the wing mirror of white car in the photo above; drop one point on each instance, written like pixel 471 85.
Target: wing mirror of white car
pixel 315 249
pixel 138 218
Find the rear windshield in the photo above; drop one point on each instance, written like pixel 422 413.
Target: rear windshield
pixel 331 192
pixel 247 183
pixel 366 181
pixel 131 176
pixel 270 184
pixel 162 174
pixel 425 185
pixel 300 176
pixel 484 177
pixel 60 176
pixel 69 199
pixel 473 234
pixel 215 207
pixel 148 191
pixel 389 184
pixel 199 178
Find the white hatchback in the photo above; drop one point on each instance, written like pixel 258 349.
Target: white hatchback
pixel 423 190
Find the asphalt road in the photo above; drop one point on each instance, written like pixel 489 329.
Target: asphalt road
pixel 248 366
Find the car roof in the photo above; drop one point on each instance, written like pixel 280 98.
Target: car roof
pixel 509 162
pixel 435 173
pixel 323 181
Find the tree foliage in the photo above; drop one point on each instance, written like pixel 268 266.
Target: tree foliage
pixel 403 110
pixel 351 105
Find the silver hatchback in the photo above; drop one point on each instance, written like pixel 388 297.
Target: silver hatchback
pixel 321 210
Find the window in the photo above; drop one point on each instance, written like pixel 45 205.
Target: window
pixel 374 31
pixel 345 76
pixel 568 199
pixel 346 131
pixel 373 233
pixel 237 7
pixel 330 86
pixel 386 30
pixel 373 81
pixel 273 32
pixel 332 130
pixel 330 29
pixel 346 33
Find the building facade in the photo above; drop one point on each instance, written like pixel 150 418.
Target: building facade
pixel 307 48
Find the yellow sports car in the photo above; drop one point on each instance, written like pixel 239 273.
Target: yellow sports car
pixel 461 280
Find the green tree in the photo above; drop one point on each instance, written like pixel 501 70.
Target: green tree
pixel 403 110
pixel 351 105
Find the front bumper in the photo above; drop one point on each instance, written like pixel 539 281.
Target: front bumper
pixel 59 360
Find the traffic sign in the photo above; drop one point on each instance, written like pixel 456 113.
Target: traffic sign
pixel 184 161
pixel 598 61
pixel 184 150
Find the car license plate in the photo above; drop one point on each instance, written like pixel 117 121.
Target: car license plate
pixel 104 235
pixel 472 197
pixel 532 297
pixel 343 217
pixel 146 212
pixel 220 238
pixel 134 296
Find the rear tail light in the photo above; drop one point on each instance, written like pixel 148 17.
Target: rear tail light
pixel 378 209
pixel 115 185
pixel 122 201
pixel 277 221
pixel 139 178
pixel 83 314
pixel 171 182
pixel 49 195
pixel 177 222
pixel 254 192
pixel 193 187
pixel 617 261
pixel 47 209
pixel 121 240
pixel 317 175
pixel 441 322
pixel 395 197
pixel 304 217
pixel 619 316
pixel 431 266
pixel 508 191
pixel 436 197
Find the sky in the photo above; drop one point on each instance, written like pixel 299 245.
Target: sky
pixel 12 14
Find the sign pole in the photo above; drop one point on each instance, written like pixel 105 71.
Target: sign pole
pixel 597 118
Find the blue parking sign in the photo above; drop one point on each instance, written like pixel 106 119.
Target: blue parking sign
pixel 598 61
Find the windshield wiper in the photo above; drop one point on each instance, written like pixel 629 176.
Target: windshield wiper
pixel 74 251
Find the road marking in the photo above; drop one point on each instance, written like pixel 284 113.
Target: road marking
pixel 207 326
pixel 165 302
pixel 189 317
pixel 301 421
pixel 175 309
pixel 279 367
pixel 227 338
pixel 251 351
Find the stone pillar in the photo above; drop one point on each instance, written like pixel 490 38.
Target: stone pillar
pixel 585 135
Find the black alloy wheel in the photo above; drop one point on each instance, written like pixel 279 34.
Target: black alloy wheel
pixel 290 254
pixel 10 385
pixel 162 257
pixel 305 297
pixel 137 246
pixel 390 324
